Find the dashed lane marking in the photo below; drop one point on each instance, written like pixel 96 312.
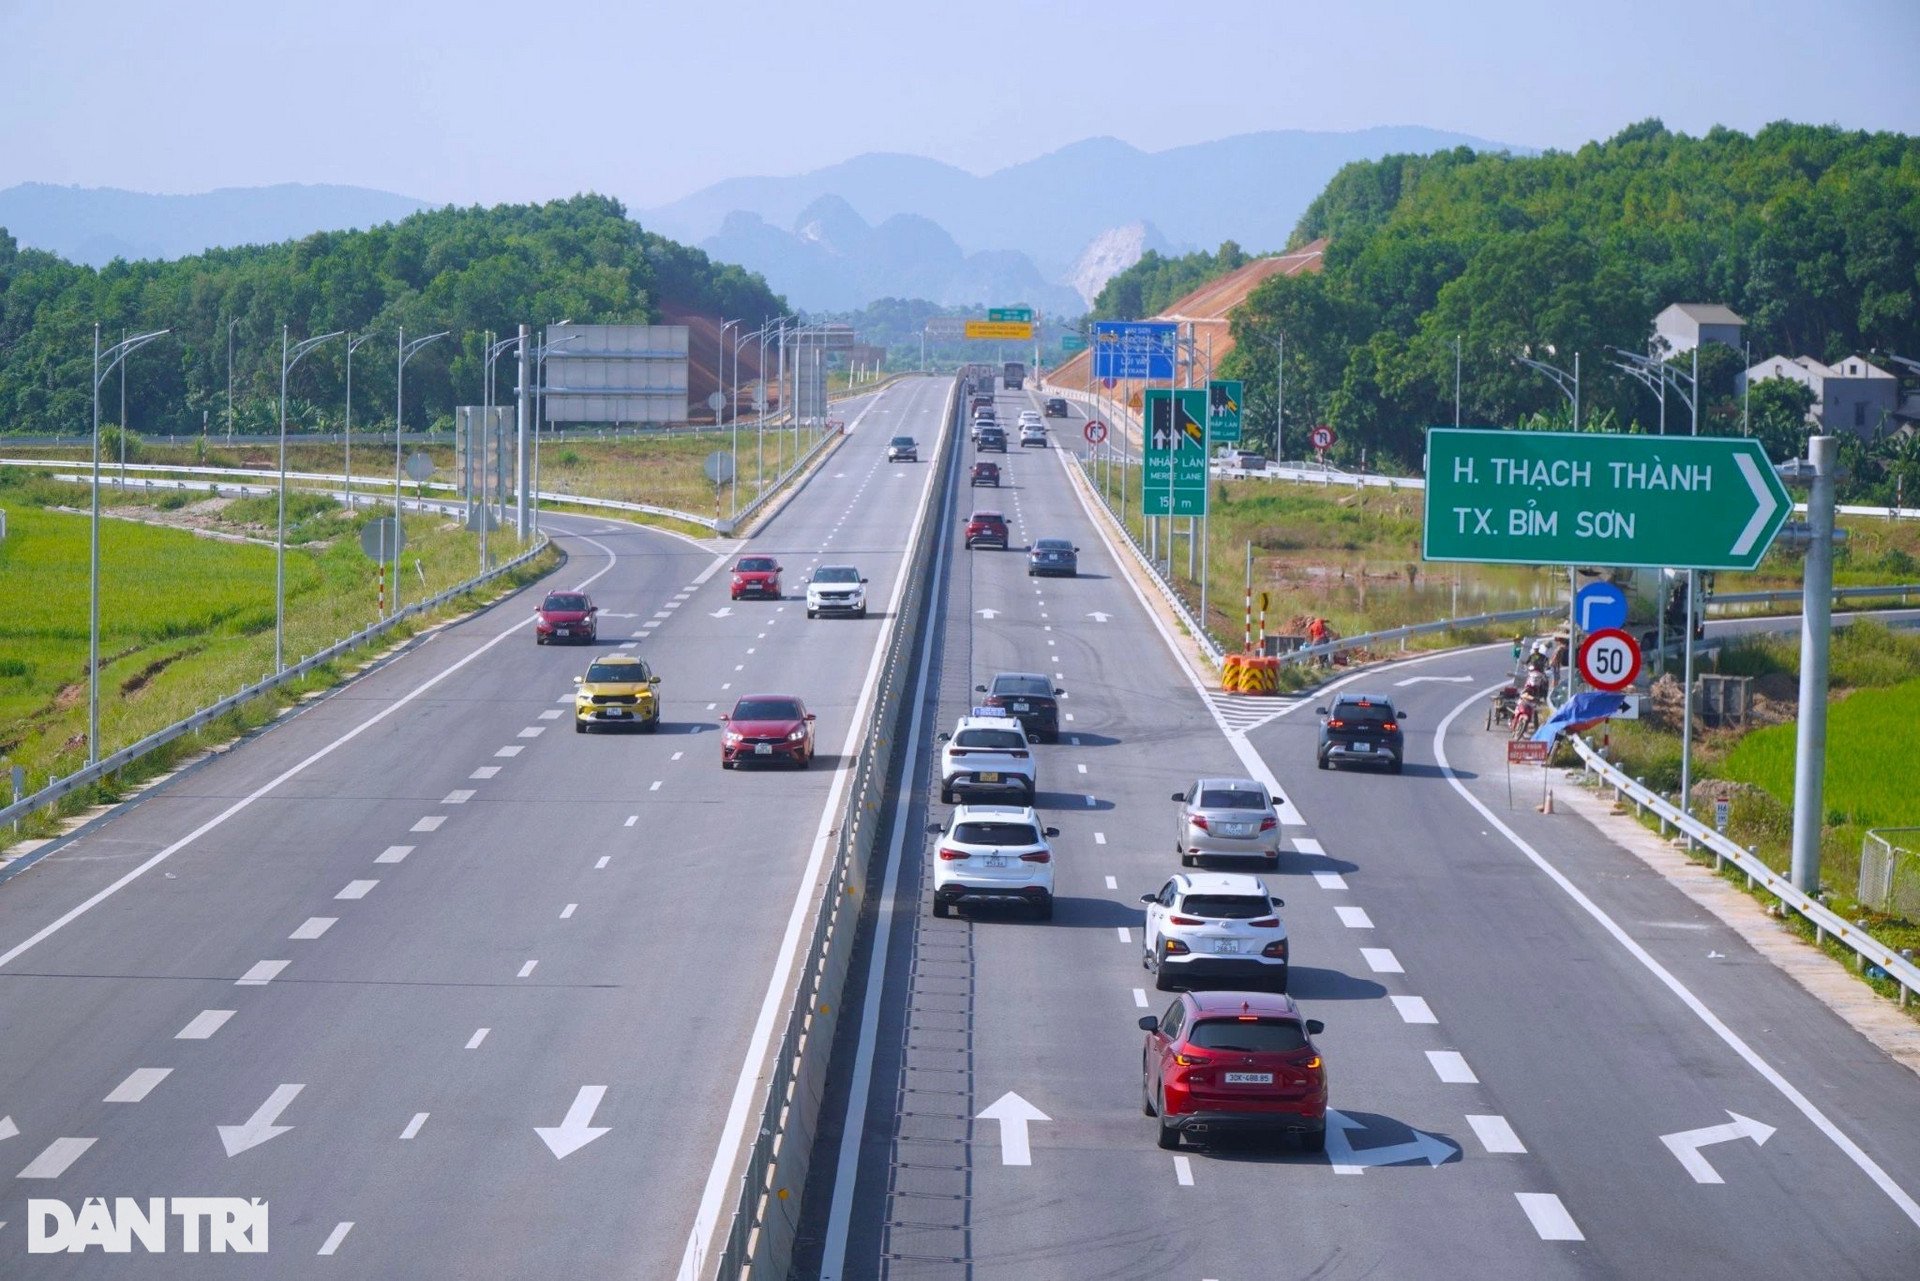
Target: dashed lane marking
pixel 569 910
pixel 431 823
pixel 1330 880
pixel 413 1126
pixel 510 751
pixel 459 797
pixel 394 853
pixel 1413 1009
pixel 203 1025
pixel 1183 1171
pixel 485 772
pixel 138 1085
pixel 313 927
pixel 479 1035
pixel 1549 1218
pixel 335 1237
pixel 1496 1134
pixel 1354 918
pixel 357 889
pixel 527 969
pixel 1451 1067
pixel 262 973
pixel 1381 960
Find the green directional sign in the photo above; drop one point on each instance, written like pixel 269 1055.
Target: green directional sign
pixel 1572 498
pixel 1225 396
pixel 1073 342
pixel 1018 315
pixel 1176 425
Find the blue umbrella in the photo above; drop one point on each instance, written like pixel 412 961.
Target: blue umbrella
pixel 1578 713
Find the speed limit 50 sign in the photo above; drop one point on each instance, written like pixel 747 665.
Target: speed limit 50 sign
pixel 1609 659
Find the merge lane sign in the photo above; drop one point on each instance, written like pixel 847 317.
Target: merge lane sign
pixel 1176 453
pixel 1574 498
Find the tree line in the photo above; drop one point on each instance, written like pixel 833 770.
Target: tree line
pixel 465 270
pixel 1150 285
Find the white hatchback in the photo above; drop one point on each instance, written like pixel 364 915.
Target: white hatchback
pixel 1215 928
pixel 993 853
pixel 986 752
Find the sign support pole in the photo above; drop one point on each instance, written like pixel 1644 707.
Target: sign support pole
pixel 1686 709
pixel 1816 625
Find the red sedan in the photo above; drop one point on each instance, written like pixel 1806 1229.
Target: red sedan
pixel 566 616
pixel 1234 1062
pixel 768 728
pixel 757 576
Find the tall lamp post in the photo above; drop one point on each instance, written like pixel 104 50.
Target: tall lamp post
pixel 1569 385
pixel 540 354
pixel 403 352
pixel 115 355
pixel 353 345
pixel 494 351
pixel 230 325
pixel 289 357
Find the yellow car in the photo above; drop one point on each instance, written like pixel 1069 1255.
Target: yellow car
pixel 617 690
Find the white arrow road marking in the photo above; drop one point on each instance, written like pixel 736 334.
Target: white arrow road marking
pixel 7 1128
pixel 1347 1160
pixel 575 1132
pixel 987 613
pixel 1013 1113
pixel 1686 1145
pixel 1438 680
pixel 260 1126
pixel 723 612
pixel 1099 617
pixel 1764 503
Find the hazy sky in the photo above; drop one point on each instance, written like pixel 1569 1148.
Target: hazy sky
pixel 476 101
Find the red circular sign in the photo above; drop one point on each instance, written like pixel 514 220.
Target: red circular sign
pixel 1322 438
pixel 1609 659
pixel 1096 431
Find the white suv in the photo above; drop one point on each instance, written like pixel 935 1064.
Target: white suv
pixel 987 752
pixel 836 589
pixel 1215 927
pixel 993 852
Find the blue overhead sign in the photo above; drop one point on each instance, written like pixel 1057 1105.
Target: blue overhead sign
pixel 1136 349
pixel 1600 606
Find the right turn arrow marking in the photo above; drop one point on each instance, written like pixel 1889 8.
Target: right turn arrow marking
pixel 1686 1145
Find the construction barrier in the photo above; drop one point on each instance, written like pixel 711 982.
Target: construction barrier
pixel 1250 674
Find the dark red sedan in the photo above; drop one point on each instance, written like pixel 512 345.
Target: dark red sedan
pixel 757 576
pixel 1234 1062
pixel 767 728
pixel 987 529
pixel 566 616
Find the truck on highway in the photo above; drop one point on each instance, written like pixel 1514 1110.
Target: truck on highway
pixel 1014 374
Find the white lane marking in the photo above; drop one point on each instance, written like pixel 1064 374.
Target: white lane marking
pixel 394 853
pixel 551 714
pixel 510 751
pixel 527 968
pixel 1451 1067
pixel 1125 936
pixel 1495 1134
pixel 138 1085
pixel 262 973
pixel 564 698
pixel 203 1025
pixel 1050 641
pixel 604 859
pixel 1069 715
pixel 480 1034
pixel 485 771
pixel 1308 845
pixel 1091 802
pixel 1100 838
pixel 1354 918
pixel 532 731
pixel 664 614
pixel 55 1158
pixel 1112 884
pixel 726 685
pixel 431 823
pixel 677 755
pixel 1081 768
pixel 751 649
pixel 1866 1164
pixel 1140 997
pixel 655 787
pixel 739 667
pixel 458 797
pixel 1549 1218
pixel 1413 1009
pixel 569 910
pixel 1183 1171
pixel 711 706
pixel 413 1126
pixel 623 645
pixel 357 889
pixel 1330 880
pixel 631 820
pixel 313 927
pixel 335 1237
pixel 1381 960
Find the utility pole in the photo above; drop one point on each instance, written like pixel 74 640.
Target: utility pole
pixel 521 470
pixel 1816 630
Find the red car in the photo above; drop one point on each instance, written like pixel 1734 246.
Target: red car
pixel 566 616
pixel 987 529
pixel 767 727
pixel 986 474
pixel 757 576
pixel 1234 1062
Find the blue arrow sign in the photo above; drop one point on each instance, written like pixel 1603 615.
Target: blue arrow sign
pixel 1598 606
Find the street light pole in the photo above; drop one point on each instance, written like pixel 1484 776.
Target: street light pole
pixel 720 387
pixel 403 352
pixel 288 359
pixel 1568 383
pixel 353 344
pixel 230 325
pixel 116 354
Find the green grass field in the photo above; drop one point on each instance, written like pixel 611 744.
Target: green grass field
pixel 1869 734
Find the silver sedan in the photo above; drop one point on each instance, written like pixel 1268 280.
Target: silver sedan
pixel 1227 818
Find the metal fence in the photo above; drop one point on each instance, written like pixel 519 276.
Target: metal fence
pixel 759 1237
pixel 1890 871
pixel 1868 951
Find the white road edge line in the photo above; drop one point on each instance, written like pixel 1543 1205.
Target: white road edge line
pixel 1868 1166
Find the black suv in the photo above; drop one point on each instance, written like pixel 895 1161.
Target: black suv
pixel 991 438
pixel 1363 728
pixel 1057 408
pixel 1030 699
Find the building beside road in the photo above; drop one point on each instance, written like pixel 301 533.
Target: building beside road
pixel 1852 395
pixel 1686 325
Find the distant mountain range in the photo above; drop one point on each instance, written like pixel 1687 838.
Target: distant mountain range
pixel 1251 188
pixel 95 225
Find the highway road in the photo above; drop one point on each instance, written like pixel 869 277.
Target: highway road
pixel 1551 1063
pixel 459 992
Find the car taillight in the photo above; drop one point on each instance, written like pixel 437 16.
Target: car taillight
pixel 1038 856
pixel 1191 1060
pixel 1185 920
pixel 1199 821
pixel 1174 947
pixel 1265 923
pixel 1336 723
pixel 1268 823
pixel 951 855
pixel 993 700
pixel 1388 727
pixel 1312 1064
pixel 1278 951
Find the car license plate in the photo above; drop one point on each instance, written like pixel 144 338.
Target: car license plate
pixel 1363 747
pixel 1236 829
pixel 1021 707
pixel 996 860
pixel 763 749
pixel 617 713
pixel 1226 947
pixel 1249 1078
pixel 561 631
pixel 988 778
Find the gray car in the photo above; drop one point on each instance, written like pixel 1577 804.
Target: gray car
pixel 1227 818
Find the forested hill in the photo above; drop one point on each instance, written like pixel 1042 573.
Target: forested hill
pixel 1811 233
pixel 1152 283
pixel 464 270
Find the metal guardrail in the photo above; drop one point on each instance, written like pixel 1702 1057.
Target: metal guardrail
pixel 1865 947
pixel 61 787
pixel 1789 595
pixel 1310 653
pixel 1215 654
pixel 759 1238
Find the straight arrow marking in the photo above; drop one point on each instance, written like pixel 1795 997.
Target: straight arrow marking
pixel 1099 617
pixel 1764 500
pixel 260 1126
pixel 1686 1145
pixel 576 1131
pixel 722 612
pixel 987 613
pixel 1013 1113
